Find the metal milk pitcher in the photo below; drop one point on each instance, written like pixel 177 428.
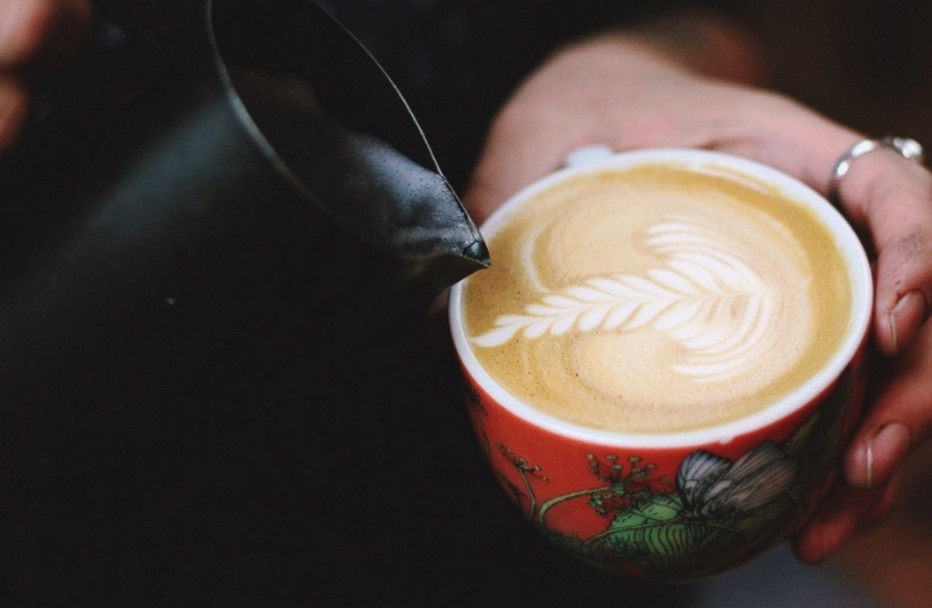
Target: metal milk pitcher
pixel 217 195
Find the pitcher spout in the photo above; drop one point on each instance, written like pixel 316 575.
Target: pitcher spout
pixel 478 251
pixel 345 135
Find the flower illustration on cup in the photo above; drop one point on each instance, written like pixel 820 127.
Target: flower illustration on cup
pixel 714 487
pixel 656 523
pixel 666 387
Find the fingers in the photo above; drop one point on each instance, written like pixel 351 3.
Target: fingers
pixel 33 30
pixel 900 216
pixel 900 418
pixel 891 199
pixel 845 512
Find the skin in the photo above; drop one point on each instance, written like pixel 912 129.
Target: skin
pixel 634 89
pixel 683 82
pixel 33 33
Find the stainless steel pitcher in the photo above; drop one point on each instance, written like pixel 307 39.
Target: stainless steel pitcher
pixel 217 198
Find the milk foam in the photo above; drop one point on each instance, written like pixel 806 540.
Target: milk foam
pixel 655 300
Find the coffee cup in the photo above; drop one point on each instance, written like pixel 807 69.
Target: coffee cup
pixel 666 359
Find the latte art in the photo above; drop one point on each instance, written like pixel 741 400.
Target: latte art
pixel 656 299
pixel 723 313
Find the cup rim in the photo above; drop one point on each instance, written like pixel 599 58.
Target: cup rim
pixel 848 241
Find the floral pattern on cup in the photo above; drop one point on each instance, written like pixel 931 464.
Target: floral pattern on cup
pixel 621 439
pixel 710 514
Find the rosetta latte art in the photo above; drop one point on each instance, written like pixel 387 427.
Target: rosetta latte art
pixel 721 311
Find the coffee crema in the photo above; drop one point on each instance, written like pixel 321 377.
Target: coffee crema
pixel 657 298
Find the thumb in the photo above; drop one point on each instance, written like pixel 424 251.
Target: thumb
pixel 521 148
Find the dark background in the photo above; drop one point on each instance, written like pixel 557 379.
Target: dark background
pixel 368 490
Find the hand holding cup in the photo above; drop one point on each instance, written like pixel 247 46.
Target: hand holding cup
pixel 665 362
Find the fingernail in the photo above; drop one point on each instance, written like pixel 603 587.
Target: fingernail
pixel 884 451
pixel 906 317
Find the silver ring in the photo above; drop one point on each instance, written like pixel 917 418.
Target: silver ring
pixel 910 149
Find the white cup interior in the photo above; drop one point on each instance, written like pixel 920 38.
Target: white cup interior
pixel 861 303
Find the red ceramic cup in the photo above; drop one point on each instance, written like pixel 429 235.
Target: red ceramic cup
pixel 687 504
